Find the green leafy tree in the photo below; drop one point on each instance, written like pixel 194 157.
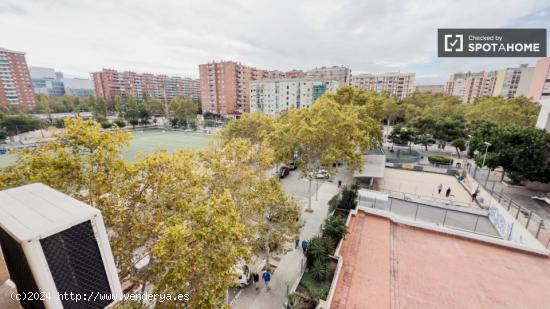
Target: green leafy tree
pixel 517 111
pixel 445 129
pixel 184 110
pixel 523 152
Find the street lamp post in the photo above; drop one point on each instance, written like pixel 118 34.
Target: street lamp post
pixel 464 159
pixel 487 144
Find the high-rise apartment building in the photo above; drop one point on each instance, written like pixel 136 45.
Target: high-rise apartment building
pixel 479 85
pixel 110 83
pixel 15 80
pixel 397 84
pixel 225 86
pixel 509 81
pixel 470 86
pixel 339 73
pixel 295 74
pixel 539 91
pixel 540 82
pixel 47 81
pixel 430 88
pixel 272 96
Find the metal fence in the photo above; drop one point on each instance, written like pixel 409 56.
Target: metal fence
pixel 491 181
pixel 441 216
pixel 529 219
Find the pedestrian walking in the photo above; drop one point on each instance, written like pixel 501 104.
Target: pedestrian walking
pixel 304 246
pixel 256 279
pixel 474 196
pixel 297 242
pixel 448 192
pixel 468 165
pixel 267 278
pixel 339 183
pixel 439 188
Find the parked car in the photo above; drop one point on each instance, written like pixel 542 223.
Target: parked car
pixel 283 171
pixel 321 174
pixel 244 274
pixel 292 165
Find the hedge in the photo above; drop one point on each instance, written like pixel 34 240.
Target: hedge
pixel 440 160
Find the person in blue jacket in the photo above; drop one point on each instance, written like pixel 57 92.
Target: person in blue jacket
pixel 304 246
pixel 266 277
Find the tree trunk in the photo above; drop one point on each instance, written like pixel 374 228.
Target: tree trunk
pixel 267 252
pixel 457 152
pixel 309 195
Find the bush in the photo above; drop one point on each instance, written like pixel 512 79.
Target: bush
pixel 316 289
pixel 333 203
pixel 440 160
pixel 349 198
pixel 106 124
pixel 120 122
pixel 319 248
pixel 3 134
pixel 335 228
pixel 319 270
pixel 59 123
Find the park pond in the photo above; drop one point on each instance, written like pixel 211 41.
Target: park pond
pixel 147 141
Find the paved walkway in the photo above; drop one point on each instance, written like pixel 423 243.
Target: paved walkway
pixel 289 269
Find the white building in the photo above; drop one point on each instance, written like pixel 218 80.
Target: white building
pixel 397 84
pixel 272 96
pixel 543 122
pixel 513 82
pixel 47 81
pixel 341 74
pixel 81 87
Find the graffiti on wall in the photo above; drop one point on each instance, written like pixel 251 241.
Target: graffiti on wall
pixel 500 223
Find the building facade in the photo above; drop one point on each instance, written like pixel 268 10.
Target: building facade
pixel 109 84
pixel 225 86
pixel 80 87
pixel 338 73
pixel 47 81
pixel 400 85
pixel 508 81
pixel 272 96
pixel 15 80
pixel 430 88
pixel 540 82
pixel 539 91
pixel 470 86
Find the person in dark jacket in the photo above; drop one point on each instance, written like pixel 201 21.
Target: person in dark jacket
pixel 256 279
pixel 304 246
pixel 448 192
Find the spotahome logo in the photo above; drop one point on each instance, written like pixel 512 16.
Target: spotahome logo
pixel 491 42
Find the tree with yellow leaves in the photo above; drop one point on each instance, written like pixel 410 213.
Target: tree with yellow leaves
pixel 325 133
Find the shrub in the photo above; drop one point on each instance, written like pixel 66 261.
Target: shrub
pixel 316 289
pixel 333 203
pixel 105 124
pixel 335 228
pixel 440 160
pixel 319 270
pixel 120 122
pixel 319 249
pixel 296 301
pixel 349 198
pixel 133 121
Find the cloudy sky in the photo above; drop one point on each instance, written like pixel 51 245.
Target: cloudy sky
pixel 175 36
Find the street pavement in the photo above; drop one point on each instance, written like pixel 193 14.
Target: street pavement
pixel 289 268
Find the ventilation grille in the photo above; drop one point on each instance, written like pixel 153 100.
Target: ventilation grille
pixel 20 272
pixel 76 266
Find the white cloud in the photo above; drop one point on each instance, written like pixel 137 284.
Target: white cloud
pixel 175 36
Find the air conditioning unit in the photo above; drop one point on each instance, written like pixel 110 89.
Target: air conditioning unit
pixel 56 246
